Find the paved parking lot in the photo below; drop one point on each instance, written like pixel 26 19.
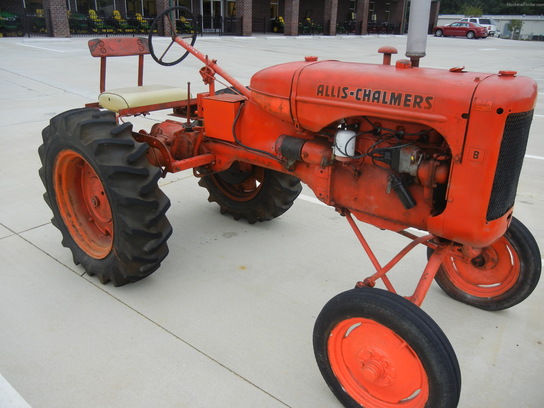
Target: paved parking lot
pixel 227 320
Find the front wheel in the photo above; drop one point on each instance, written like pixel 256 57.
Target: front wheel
pixel 104 195
pixel 252 192
pixel 376 349
pixel 505 274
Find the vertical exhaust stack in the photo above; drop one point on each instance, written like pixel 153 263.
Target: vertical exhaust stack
pixel 418 26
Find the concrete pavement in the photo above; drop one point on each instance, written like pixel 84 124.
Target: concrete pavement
pixel 227 320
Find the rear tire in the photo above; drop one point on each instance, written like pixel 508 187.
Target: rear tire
pixel 376 349
pixel 470 35
pixel 252 192
pixel 104 195
pixel 438 33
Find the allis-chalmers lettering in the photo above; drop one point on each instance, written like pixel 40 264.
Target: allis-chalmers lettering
pixel 407 100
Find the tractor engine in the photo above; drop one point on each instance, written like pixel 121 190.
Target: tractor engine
pixel 400 146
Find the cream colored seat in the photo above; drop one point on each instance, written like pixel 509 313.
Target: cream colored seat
pixel 136 97
pixel 134 100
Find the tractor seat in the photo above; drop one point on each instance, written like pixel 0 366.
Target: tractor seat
pixel 138 99
pixel 141 96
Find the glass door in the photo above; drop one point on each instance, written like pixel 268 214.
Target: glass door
pixel 212 15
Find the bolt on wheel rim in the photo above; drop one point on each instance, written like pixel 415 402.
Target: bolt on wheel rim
pixel 83 204
pixel 375 366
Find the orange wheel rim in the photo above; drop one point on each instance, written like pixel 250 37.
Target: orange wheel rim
pixel 496 273
pixel 83 204
pixel 375 366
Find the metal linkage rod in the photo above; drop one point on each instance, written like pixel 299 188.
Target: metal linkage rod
pixel 212 64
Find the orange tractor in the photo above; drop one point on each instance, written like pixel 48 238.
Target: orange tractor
pixel 395 146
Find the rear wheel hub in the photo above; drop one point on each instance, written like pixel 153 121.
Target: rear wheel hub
pixel 83 204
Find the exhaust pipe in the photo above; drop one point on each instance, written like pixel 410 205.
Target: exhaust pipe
pixel 418 27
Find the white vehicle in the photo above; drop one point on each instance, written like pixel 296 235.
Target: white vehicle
pixel 485 22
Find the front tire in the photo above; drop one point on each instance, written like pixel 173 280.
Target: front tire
pixel 104 195
pixel 252 192
pixel 376 349
pixel 506 273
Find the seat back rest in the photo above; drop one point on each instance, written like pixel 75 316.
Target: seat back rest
pixel 119 47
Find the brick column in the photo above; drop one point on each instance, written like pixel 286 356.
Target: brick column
pixel 244 12
pixel 164 28
pixel 331 14
pixel 361 20
pixel 162 5
pixel 433 19
pixel 397 15
pixel 56 18
pixel 291 17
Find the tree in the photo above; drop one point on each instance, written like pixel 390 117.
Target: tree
pixel 472 11
pixel 451 6
pixel 515 27
pixel 490 7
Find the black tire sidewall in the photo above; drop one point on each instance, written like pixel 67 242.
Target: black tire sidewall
pixel 406 320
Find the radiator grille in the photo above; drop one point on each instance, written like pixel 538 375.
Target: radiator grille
pixel 513 145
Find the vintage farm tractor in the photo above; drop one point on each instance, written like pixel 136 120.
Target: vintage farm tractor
pixel 395 146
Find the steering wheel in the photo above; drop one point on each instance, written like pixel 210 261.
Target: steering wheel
pixel 177 22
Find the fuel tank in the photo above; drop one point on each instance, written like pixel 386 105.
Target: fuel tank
pixel 313 94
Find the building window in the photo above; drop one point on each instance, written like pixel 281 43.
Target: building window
pixel 105 7
pixel 351 10
pixel 184 3
pixel 134 6
pixel 83 6
pixel 33 5
pixel 147 8
pixel 102 7
pixel 231 8
pixel 150 8
pixel 274 9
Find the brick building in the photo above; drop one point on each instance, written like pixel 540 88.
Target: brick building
pixel 240 17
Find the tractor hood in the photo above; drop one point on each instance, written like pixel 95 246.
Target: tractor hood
pixel 314 94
